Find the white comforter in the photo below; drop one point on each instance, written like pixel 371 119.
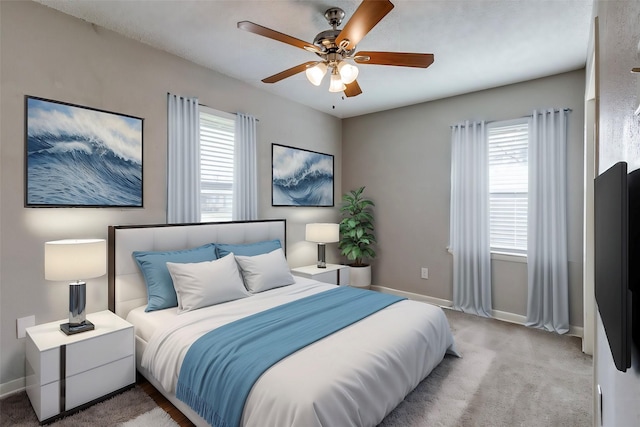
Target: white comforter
pixel 354 377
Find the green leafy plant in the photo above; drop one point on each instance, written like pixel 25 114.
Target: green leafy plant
pixel 356 228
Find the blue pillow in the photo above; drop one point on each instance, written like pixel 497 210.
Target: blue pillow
pixel 248 249
pixel 160 291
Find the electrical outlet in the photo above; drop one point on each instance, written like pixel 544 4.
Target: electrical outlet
pixel 23 323
pixel 424 273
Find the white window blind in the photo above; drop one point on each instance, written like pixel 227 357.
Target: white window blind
pixel 508 185
pixel 217 133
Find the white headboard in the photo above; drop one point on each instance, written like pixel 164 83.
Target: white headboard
pixel 127 289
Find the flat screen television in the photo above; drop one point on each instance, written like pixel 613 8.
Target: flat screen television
pixel 613 259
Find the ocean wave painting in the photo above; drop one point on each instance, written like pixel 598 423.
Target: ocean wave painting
pixel 79 156
pixel 301 177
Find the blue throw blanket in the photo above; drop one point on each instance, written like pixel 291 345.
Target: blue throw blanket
pixel 221 367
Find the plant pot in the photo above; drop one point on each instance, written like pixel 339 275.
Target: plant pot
pixel 360 277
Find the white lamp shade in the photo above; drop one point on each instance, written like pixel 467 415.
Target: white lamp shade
pixel 348 72
pixel 75 259
pixel 316 73
pixel 322 232
pixel 336 85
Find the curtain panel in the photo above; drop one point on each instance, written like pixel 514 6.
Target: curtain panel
pixel 245 182
pixel 183 160
pixel 469 222
pixel 547 259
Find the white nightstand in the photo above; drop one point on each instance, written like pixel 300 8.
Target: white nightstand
pixel 334 273
pixel 66 373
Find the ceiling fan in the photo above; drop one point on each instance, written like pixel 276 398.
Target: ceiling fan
pixel 337 48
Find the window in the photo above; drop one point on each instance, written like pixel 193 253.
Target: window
pixel 217 133
pixel 508 185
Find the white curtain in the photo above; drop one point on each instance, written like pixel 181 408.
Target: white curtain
pixel 548 302
pixel 245 182
pixel 469 225
pixel 183 160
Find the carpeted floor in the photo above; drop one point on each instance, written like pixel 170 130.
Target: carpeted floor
pixel 15 410
pixel 509 375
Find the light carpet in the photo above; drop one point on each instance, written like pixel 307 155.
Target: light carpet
pixel 155 417
pixel 439 400
pixel 124 408
pixel 509 375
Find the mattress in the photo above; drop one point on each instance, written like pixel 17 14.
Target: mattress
pixel 146 323
pixel 354 377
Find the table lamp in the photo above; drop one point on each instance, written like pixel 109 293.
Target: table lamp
pixel 322 233
pixel 75 260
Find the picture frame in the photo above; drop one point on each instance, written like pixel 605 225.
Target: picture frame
pixel 77 156
pixel 301 177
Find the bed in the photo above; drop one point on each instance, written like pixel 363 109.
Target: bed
pixel 354 376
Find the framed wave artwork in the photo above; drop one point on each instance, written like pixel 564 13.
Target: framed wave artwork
pixel 81 157
pixel 301 177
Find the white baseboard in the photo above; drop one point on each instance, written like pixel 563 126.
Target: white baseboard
pixel 12 387
pixel 577 331
pixel 412 296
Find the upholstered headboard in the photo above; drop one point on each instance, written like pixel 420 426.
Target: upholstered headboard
pixel 127 289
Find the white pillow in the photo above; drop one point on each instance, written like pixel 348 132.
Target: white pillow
pixel 206 283
pixel 266 271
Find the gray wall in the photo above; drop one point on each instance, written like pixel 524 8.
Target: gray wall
pixel 618 130
pixel 403 157
pixel 48 54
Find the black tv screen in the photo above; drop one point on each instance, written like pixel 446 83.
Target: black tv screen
pixel 633 180
pixel 613 296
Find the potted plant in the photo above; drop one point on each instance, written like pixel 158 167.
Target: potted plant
pixel 356 236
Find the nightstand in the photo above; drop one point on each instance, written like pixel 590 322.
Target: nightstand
pixel 66 373
pixel 334 273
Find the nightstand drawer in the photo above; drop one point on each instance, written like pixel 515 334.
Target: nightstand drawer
pixel 92 384
pixel 91 353
pixel 326 277
pixel 44 399
pixel 45 365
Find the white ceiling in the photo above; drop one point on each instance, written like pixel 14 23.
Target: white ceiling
pixel 478 44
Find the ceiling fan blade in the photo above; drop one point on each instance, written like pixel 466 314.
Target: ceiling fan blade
pixel 276 35
pixel 290 72
pixel 366 16
pixel 401 59
pixel 353 89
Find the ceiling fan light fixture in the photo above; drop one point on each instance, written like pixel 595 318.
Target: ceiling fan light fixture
pixel 348 73
pixel 337 48
pixel 336 84
pixel 316 73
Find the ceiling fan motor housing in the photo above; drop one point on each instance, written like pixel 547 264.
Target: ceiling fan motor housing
pixel 334 16
pixel 326 40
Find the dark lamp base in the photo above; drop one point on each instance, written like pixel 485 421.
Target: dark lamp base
pixel 321 258
pixel 70 329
